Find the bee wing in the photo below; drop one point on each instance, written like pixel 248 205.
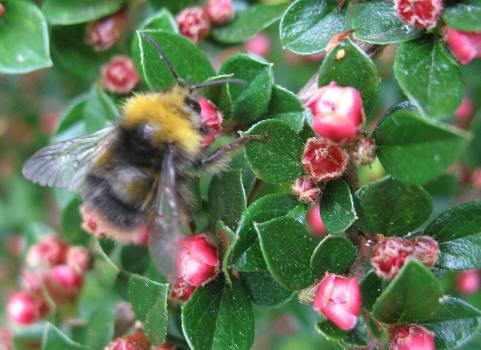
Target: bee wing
pixel 65 164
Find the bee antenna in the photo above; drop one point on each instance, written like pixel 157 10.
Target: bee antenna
pixel 162 55
pixel 218 82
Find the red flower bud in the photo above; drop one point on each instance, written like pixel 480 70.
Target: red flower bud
pixel 210 121
pixel 119 75
pixel 364 151
pixel 182 290
pixel 476 178
pixel 464 112
pixel 324 160
pixel 78 258
pixel 314 220
pixel 426 250
pixel 339 299
pixel 193 23
pixel 103 33
pixel 337 112
pixel 468 282
pixel 64 283
pixel 465 46
pixel 305 190
pixel 197 260
pixel 259 45
pixel 2 9
pixel 419 13
pixel 134 341
pixel 49 252
pixel 410 337
pixel 25 308
pixel 219 11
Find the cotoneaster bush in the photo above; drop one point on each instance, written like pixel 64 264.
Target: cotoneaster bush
pixel 353 222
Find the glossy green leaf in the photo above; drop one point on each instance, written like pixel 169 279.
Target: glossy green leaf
pixel 99 110
pixel 149 301
pixel 218 317
pixel 420 155
pixel 458 232
pixel 465 15
pixel 54 339
pixel 308 25
pixel 392 208
pixel 429 77
pixel 371 288
pixel 333 254
pixel 357 337
pixel 180 51
pixel 24 38
pixel 172 5
pixel 60 12
pixel 99 330
pixel 248 23
pixel 354 69
pixel 377 22
pixel 71 223
pixel 264 290
pixel 279 158
pixel 472 156
pixel 71 123
pixel 283 101
pixel 250 102
pixel 295 120
pixel 412 297
pixel 337 206
pixel 287 246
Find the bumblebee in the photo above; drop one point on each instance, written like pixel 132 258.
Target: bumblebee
pixel 131 173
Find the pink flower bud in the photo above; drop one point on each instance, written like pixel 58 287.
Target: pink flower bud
pixel 25 308
pixel 182 290
pixel 193 23
pixel 15 245
pixel 464 112
pixel 410 337
pixel 32 281
pixel 78 258
pixel 134 341
pixel 323 160
pixel 119 75
pixel 197 260
pixel 210 121
pixel 64 283
pixel 305 190
pixel 337 112
pixel 468 282
pixel 6 339
pixel 426 250
pixel 259 45
pixel 419 13
pixel 465 46
pixel 49 252
pixel 476 178
pixel 389 256
pixel 364 151
pixel 2 9
pixel 103 33
pixel 48 122
pixel 339 299
pixel 219 11
pixel 314 220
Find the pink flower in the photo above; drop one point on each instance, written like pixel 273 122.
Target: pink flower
pixel 314 220
pixel 337 112
pixel 119 75
pixel 197 260
pixel 32 281
pixel 211 120
pixel 134 341
pixel 468 282
pixel 182 290
pixel 193 23
pixel 465 46
pixel 426 250
pixel 50 251
pixel 259 45
pixel 419 13
pixel 339 299
pixel 103 33
pixel 64 283
pixel 219 11
pixel 305 189
pixel 323 160
pixel 410 337
pixel 465 111
pixel 25 308
pixel 78 258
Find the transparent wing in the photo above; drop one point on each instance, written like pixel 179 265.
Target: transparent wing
pixel 65 164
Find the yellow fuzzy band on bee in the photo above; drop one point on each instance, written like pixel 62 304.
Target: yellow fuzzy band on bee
pixel 166 111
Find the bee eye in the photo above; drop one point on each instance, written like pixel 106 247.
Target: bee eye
pixel 193 104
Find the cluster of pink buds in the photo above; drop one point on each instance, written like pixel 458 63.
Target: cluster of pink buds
pixel 391 253
pixel 211 119
pixel 419 13
pixel 119 75
pixel 409 337
pixel 197 264
pixel 465 46
pixel 103 33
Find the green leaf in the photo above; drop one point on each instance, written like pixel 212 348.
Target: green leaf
pixel 458 232
pixel 392 208
pixel 420 155
pixel 456 322
pixel 172 5
pixel 295 120
pixel 371 288
pixel 59 12
pixel 333 254
pixel 99 329
pixel 472 156
pixel 72 122
pixel 71 223
pixel 227 198
pixel 429 77
pixel 264 290
pixel 246 254
pixel 412 297
pixel 465 16
pixel 54 339
pixel 377 22
pixel 279 158
pixel 355 69
pixel 24 38
pixel 308 25
pixel 337 206
pixel 357 337
pixel 283 101
pixel 250 102
pixel 180 51
pixel 99 110
pixel 287 246
pixel 248 23
pixel 149 301
pixel 218 317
